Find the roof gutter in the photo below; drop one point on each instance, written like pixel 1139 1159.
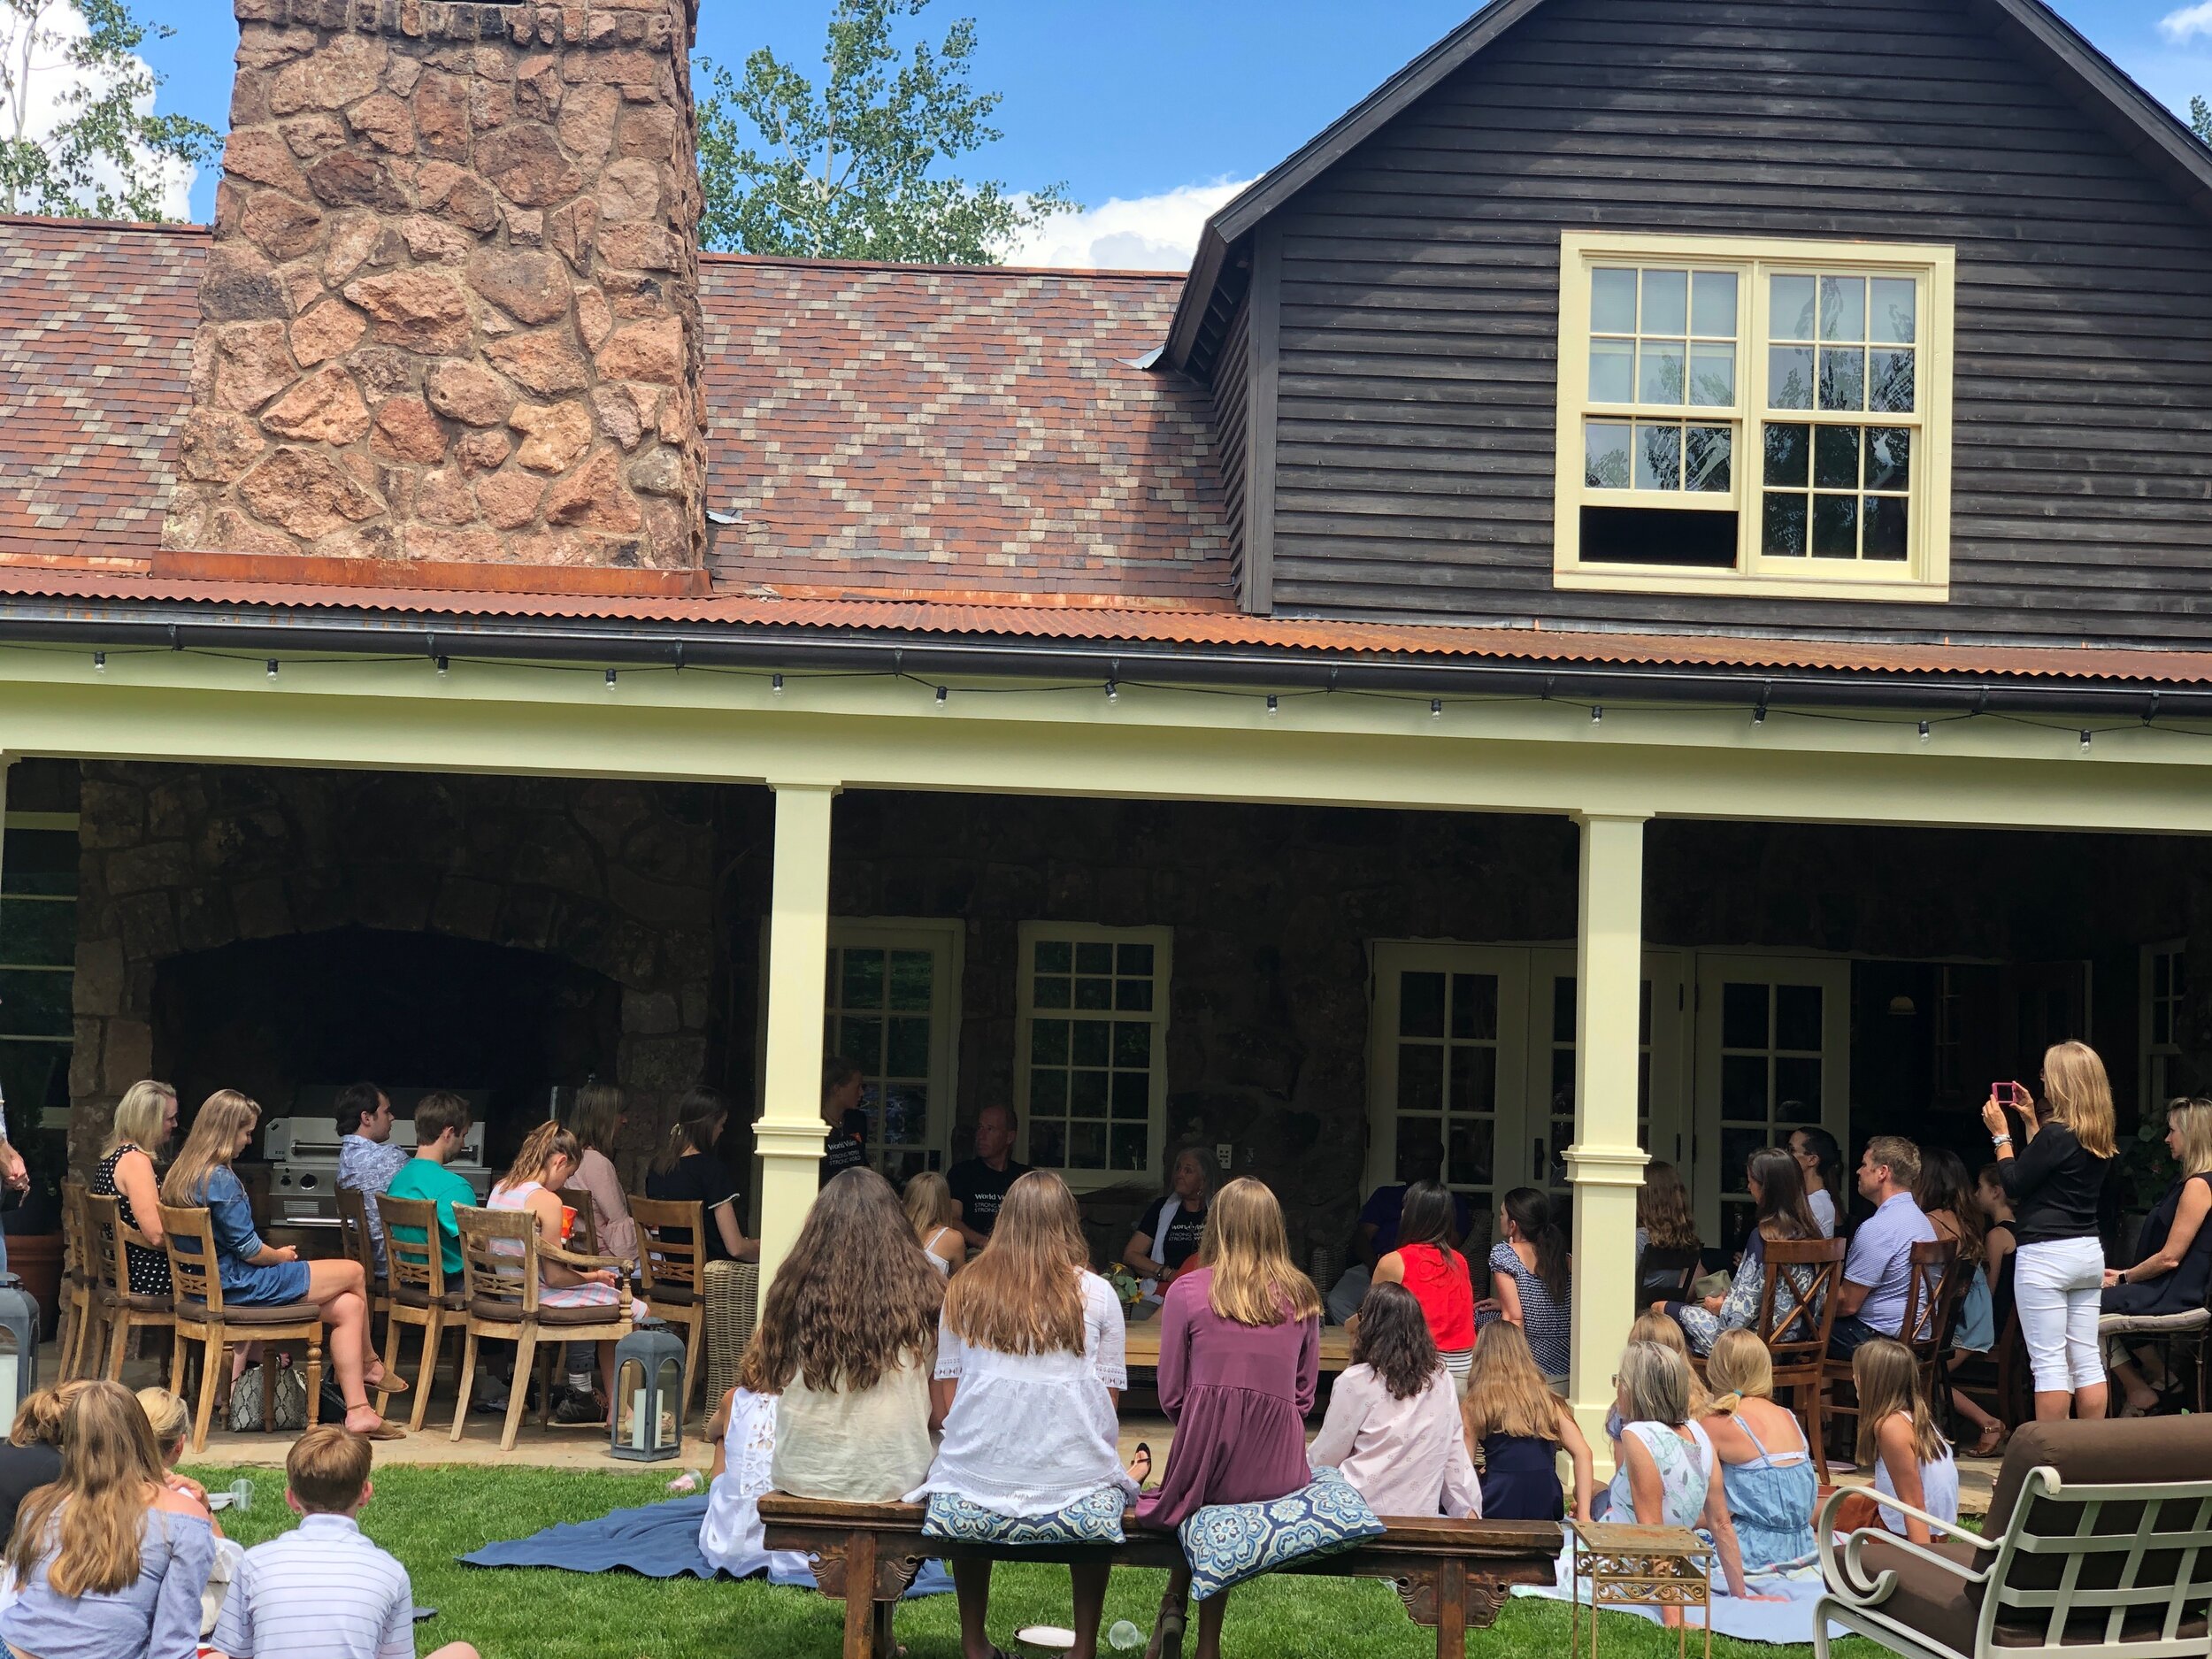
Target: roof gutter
pixel 942 658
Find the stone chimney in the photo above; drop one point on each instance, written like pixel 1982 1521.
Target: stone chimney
pixel 451 313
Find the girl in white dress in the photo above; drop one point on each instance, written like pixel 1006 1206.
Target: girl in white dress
pixel 731 1537
pixel 1030 1367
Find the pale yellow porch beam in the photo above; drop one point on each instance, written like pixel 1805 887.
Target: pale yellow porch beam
pixel 789 1133
pixel 1605 1162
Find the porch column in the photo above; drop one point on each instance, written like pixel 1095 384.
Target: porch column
pixel 1605 1162
pixel 789 1133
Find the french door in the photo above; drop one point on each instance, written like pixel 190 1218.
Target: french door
pixel 1470 1066
pixel 1773 1055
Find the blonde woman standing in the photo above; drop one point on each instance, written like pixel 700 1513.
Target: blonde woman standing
pixel 2055 1182
pixel 936 1217
pixel 144 1119
pixel 108 1560
pixel 255 1274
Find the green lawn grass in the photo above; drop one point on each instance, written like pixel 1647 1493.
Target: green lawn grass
pixel 426 1517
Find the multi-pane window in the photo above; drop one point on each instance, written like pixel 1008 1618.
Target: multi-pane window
pixel 2165 991
pixel 889 1008
pixel 1553 1176
pixel 38 954
pixel 1093 1056
pixel 1447 1079
pixel 1770 1081
pixel 1734 412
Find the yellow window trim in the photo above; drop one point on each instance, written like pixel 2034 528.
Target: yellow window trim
pixel 1925 577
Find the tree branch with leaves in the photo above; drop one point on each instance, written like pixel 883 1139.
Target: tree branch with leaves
pixel 106 154
pixel 857 167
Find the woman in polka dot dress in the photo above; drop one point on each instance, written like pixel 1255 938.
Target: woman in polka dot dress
pixel 143 1122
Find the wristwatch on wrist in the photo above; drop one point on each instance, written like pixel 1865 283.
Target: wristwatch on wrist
pixel 2000 1141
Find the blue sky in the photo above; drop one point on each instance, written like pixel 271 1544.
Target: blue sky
pixel 1142 100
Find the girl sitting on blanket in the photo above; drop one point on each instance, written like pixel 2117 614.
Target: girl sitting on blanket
pixel 1518 1427
pixel 1030 1367
pixel 1239 1366
pixel 1666 1476
pixel 1766 1469
pixel 846 1340
pixel 1660 1328
pixel 1899 1439
pixel 743 1430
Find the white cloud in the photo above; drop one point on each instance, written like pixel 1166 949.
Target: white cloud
pixel 2183 26
pixel 53 79
pixel 1148 233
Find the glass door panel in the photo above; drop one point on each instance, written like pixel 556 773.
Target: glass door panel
pixel 888 1007
pixel 1658 1064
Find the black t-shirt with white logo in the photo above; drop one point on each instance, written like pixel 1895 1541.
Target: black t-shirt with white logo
pixel 847 1147
pixel 1183 1233
pixel 981 1189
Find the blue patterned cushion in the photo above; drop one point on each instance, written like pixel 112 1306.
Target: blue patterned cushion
pixel 1228 1543
pixel 1095 1519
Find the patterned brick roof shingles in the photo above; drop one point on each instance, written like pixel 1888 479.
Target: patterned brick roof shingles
pixel 882 430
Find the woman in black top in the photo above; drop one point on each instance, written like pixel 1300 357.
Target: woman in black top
pixel 2055 1184
pixel 2173 1253
pixel 1169 1232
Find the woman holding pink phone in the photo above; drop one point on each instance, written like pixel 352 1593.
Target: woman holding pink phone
pixel 2054 1183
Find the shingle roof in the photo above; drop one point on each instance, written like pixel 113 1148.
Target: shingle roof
pixel 885 430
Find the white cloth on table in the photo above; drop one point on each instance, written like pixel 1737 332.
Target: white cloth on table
pixel 1029 1434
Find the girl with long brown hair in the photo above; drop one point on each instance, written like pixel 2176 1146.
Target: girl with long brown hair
pixel 1776 1181
pixel 1239 1366
pixel 255 1274
pixel 597 1121
pixel 2055 1184
pixel 848 1335
pixel 1899 1440
pixel 108 1559
pixel 1393 1425
pixel 1436 1275
pixel 1030 1367
pixel 1529 1277
pixel 1520 1427
pixel 545 1163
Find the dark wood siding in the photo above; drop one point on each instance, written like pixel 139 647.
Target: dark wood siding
pixel 1420 307
pixel 1232 433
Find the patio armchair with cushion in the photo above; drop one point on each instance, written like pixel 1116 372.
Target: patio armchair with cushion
pixel 2098 1540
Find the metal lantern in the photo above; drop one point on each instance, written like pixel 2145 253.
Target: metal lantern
pixel 18 1362
pixel 648 1393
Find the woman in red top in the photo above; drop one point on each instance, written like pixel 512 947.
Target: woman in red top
pixel 1427 1264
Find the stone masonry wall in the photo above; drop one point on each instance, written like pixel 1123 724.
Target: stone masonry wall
pixel 452 312
pixel 615 876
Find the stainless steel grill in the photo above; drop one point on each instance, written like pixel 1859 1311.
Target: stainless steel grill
pixel 303 1155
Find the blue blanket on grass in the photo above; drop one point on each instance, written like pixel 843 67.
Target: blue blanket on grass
pixel 1787 1620
pixel 660 1541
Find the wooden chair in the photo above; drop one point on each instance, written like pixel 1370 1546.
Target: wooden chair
pixel 119 1308
pixel 583 1238
pixel 1798 1340
pixel 419 1297
pixel 668 1273
pixel 502 1258
pixel 358 1244
pixel 202 1316
pixel 1665 1275
pixel 1931 1296
pixel 78 1279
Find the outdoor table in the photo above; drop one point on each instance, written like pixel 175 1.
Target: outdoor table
pixel 1640 1566
pixel 1144 1347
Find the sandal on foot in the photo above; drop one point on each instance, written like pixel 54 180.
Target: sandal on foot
pixel 1145 1452
pixel 387 1384
pixel 383 1431
pixel 1992 1443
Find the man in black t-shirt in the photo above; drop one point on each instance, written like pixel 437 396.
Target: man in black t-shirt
pixel 980 1182
pixel 847 1142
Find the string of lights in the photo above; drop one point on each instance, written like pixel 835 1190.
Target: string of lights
pixel 1113 686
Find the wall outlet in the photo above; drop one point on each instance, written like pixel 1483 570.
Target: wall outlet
pixel 1225 1155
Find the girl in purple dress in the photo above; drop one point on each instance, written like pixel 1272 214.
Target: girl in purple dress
pixel 1239 1366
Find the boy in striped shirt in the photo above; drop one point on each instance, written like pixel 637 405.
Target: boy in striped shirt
pixel 323 1591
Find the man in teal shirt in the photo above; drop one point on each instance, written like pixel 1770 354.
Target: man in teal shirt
pixel 441 1121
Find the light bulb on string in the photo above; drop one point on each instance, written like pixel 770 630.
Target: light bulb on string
pixel 99 662
pixel 611 679
pixel 775 684
pixel 1597 714
pixel 1926 732
pixel 1274 705
pixel 1436 708
pixel 942 693
pixel 272 667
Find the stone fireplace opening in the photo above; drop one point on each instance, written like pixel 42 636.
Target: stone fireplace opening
pixel 408 1010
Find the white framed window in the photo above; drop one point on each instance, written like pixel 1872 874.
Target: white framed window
pixel 1753 416
pixel 892 1006
pixel 38 960
pixel 1090 1061
pixel 2165 980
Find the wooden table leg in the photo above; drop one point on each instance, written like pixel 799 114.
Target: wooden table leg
pixel 1451 1610
pixel 860 1595
pixel 886 1647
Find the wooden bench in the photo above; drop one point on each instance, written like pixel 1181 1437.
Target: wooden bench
pixel 1449 1574
pixel 1144 1347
